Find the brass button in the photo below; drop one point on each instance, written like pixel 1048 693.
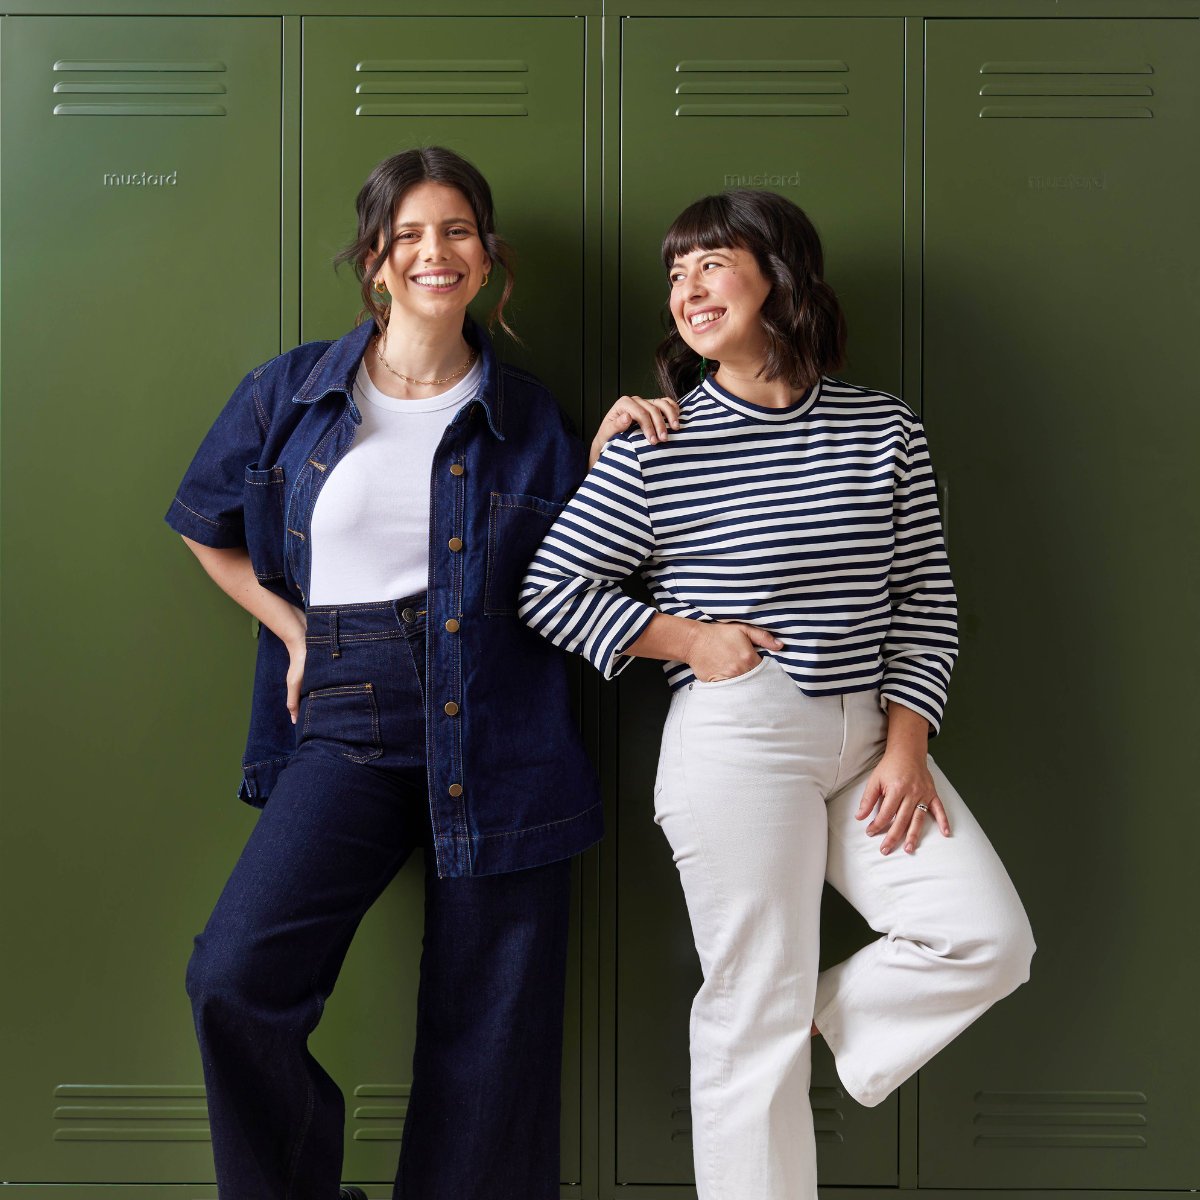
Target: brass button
pixel 456 469
pixel 451 709
pixel 456 544
pixel 452 626
pixel 456 789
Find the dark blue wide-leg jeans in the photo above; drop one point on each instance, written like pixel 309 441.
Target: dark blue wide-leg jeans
pixel 352 805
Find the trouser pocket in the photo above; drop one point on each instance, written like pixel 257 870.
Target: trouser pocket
pixel 745 677
pixel 346 718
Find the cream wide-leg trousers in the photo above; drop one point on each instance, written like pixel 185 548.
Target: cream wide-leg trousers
pixel 757 789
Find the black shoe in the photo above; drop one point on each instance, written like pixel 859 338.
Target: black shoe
pixel 352 1193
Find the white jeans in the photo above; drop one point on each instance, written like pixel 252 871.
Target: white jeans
pixel 757 789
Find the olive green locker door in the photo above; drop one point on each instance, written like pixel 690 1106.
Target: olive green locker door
pixel 1060 303
pixel 140 282
pixel 508 94
pixel 812 109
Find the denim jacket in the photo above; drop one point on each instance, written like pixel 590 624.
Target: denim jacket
pixel 510 785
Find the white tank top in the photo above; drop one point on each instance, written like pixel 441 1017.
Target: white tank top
pixel 370 527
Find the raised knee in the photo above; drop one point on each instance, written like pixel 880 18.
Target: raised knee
pixel 1008 951
pixel 217 977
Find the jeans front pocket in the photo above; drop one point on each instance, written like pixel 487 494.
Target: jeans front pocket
pixel 346 717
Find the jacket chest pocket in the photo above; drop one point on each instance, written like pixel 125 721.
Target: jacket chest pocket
pixel 263 503
pixel 516 527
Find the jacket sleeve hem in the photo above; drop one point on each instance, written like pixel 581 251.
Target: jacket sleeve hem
pixel 220 535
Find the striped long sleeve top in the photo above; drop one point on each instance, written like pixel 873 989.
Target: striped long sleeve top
pixel 818 522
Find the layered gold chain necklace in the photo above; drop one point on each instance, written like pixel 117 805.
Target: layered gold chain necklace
pixel 420 382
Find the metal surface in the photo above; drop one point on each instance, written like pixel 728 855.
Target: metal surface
pixel 1060 317
pixel 130 310
pixel 1045 316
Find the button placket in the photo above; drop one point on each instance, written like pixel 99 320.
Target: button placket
pixel 457 573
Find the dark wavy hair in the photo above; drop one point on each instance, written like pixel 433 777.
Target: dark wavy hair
pixel 381 196
pixel 801 316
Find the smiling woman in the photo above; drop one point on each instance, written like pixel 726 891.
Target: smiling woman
pixel 395 483
pixel 788 531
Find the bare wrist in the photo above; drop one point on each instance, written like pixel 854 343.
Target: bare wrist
pixel 689 646
pixel 295 639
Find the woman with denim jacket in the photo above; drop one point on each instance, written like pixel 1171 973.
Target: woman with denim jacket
pixel 373 502
pixel 787 526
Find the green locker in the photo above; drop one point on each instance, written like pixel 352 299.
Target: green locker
pixel 140 209
pixel 812 108
pixel 511 100
pixel 1060 310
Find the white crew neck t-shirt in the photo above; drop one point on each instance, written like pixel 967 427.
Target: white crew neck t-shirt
pixel 370 526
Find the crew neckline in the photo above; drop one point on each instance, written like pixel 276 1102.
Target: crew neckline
pixel 757 411
pixel 464 390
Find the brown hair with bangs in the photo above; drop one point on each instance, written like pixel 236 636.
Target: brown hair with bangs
pixel 379 200
pixel 804 324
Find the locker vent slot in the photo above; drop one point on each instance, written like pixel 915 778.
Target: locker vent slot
pixel 468 84
pixel 1076 92
pixel 383 1122
pixel 131 1091
pixel 1056 1120
pixel 755 64
pixel 827 1116
pixel 120 1121
pixel 141 87
pixel 1066 68
pixel 776 87
pixel 132 65
pixel 1066 89
pixel 199 87
pixel 1048 111
pixel 442 64
pixel 780 86
pixel 139 110
pixel 438 87
pixel 441 110
pixel 762 110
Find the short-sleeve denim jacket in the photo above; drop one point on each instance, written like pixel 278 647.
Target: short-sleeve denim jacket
pixel 528 792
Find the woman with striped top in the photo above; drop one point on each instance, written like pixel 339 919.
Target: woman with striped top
pixel 787 526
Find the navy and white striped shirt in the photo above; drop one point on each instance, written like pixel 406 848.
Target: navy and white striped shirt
pixel 818 522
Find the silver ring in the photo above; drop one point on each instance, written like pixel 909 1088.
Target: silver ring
pixel 923 807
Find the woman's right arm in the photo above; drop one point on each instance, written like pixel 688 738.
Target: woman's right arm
pixel 230 569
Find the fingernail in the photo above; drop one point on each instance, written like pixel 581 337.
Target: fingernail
pixel 885 849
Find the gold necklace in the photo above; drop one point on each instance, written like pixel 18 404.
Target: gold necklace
pixel 421 382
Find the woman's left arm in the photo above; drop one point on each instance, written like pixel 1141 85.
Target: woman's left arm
pixel 921 642
pixel 901 782
pixel 918 653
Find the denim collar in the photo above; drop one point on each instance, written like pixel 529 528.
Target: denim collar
pixel 337 367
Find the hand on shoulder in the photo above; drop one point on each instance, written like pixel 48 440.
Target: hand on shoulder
pixel 652 416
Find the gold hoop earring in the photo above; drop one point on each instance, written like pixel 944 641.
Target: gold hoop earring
pixel 484 283
pixel 380 286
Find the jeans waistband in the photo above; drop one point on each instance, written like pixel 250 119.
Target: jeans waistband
pixel 353 622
